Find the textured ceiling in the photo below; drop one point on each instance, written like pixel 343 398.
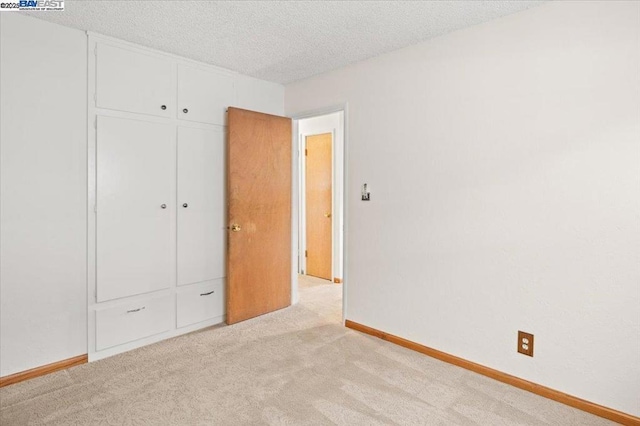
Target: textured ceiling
pixel 281 41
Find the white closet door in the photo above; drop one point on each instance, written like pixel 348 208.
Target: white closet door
pixel 204 96
pixel 135 82
pixel 201 222
pixel 135 207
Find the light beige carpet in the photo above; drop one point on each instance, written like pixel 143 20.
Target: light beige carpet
pixel 298 366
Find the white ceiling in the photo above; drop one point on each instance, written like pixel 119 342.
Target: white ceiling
pixel 281 41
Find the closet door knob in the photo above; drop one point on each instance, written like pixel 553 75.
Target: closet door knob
pixel 163 107
pixel 185 110
pixel 163 206
pixel 185 205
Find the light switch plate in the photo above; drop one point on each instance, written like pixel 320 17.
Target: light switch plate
pixel 366 195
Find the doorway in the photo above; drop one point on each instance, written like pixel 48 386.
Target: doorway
pixel 320 139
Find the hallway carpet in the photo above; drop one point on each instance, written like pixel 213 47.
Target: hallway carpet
pixel 297 366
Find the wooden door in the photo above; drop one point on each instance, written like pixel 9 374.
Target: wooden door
pixel 135 82
pixel 203 96
pixel 318 195
pixel 259 191
pixel 135 207
pixel 201 209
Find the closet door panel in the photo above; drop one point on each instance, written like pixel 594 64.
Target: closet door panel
pixel 135 205
pixel 135 82
pixel 201 208
pixel 204 96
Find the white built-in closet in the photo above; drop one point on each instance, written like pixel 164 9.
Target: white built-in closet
pixel 157 192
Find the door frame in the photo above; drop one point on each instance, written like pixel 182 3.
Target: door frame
pixel 298 213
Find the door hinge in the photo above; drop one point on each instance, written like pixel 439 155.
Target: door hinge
pixel 306 151
pixel 306 254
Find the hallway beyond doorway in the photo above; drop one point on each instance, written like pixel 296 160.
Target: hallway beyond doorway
pixel 321 296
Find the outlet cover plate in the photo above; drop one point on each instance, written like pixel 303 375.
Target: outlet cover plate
pixel 525 343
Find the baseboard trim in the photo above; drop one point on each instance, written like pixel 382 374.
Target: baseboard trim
pixel 581 404
pixel 43 370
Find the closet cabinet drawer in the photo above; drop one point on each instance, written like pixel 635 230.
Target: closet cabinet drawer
pixel 131 81
pixel 200 302
pixel 204 96
pixel 132 321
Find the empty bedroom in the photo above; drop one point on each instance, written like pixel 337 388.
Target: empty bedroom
pixel 320 212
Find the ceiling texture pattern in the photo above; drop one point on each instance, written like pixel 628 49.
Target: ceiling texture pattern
pixel 280 41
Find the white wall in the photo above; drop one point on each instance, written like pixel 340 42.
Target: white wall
pixel 330 123
pixel 259 95
pixel 504 164
pixel 43 101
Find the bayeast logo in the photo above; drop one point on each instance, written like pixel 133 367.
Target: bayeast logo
pixel 41 4
pixel 33 5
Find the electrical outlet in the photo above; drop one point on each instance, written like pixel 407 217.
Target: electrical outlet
pixel 525 343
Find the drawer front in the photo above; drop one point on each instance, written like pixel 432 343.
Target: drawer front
pixel 200 302
pixel 132 321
